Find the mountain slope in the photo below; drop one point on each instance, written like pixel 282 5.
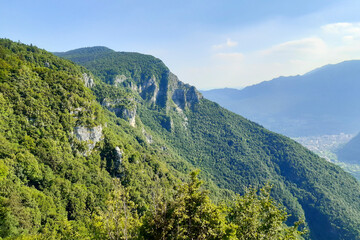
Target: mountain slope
pixel 321 102
pixel 59 149
pixel 350 152
pixel 232 151
pixel 73 169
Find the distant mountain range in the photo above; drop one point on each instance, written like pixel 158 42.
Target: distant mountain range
pixel 323 101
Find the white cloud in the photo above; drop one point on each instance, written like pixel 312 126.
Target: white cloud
pixel 348 38
pixel 228 44
pixel 328 44
pixel 236 69
pixel 343 28
pixel 343 39
pixel 295 50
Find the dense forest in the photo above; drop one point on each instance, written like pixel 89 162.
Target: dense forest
pixel 108 150
pixel 57 184
pixel 231 151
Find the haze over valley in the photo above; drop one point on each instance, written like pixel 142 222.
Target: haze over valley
pixel 104 133
pixel 318 109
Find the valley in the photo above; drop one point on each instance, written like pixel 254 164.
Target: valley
pixel 327 147
pixel 315 109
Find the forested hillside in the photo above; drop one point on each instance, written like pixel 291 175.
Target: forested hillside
pixel 71 168
pixel 231 151
pixel 105 153
pixel 60 149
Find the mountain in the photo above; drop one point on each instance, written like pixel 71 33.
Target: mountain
pixel 85 151
pixel 321 102
pixel 350 152
pixel 61 152
pixel 71 168
pixel 231 151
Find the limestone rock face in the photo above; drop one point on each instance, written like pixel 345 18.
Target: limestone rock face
pixel 89 135
pixel 120 111
pixel 119 79
pixel 183 95
pixel 159 90
pixel 150 82
pixel 129 115
pixel 192 96
pixel 89 82
pixel 149 89
pixel 133 86
pixel 76 111
pixel 118 157
pixel 179 98
pixel 148 137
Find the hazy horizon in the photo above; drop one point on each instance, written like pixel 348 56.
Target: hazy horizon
pixel 208 44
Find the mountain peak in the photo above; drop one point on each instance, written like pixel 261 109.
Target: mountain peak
pixel 348 65
pixel 142 74
pixel 85 50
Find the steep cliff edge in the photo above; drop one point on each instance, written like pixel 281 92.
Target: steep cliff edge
pixel 232 151
pixel 60 149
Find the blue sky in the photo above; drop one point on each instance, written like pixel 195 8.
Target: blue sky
pixel 209 44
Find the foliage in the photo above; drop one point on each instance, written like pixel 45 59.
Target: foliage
pixel 257 217
pixel 51 188
pixel 48 185
pixel 191 215
pixel 108 64
pixel 234 152
pixel 119 220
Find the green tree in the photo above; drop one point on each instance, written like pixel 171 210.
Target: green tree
pixel 190 215
pixel 258 217
pixel 119 220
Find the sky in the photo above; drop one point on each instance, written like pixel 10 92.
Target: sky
pixel 208 44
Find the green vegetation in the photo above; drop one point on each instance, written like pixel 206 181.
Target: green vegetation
pixel 58 180
pixel 131 65
pixel 55 184
pixel 48 182
pixel 192 215
pixel 236 153
pixel 232 152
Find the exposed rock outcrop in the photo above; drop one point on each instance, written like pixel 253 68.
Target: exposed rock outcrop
pixel 89 82
pixel 118 158
pixel 76 111
pixel 178 97
pixel 149 89
pixel 159 90
pixel 90 135
pixel 120 111
pixel 182 94
pixel 147 136
pixel 129 115
pixel 192 96
pixel 119 79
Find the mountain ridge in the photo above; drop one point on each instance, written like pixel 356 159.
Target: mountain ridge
pixel 317 103
pixel 73 139
pixel 232 151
